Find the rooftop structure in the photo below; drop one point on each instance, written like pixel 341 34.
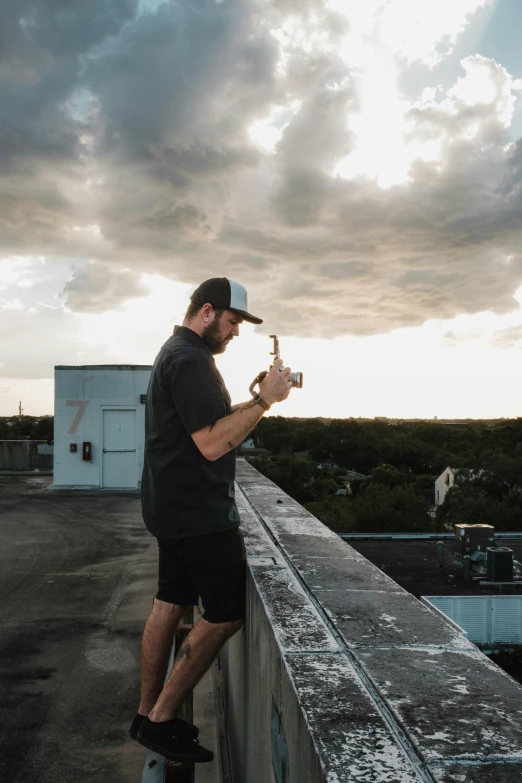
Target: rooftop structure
pixel 414 563
pixel 99 425
pixel 359 680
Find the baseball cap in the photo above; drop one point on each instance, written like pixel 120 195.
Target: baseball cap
pixel 221 292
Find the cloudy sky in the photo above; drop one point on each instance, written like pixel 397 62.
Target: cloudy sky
pixel 358 166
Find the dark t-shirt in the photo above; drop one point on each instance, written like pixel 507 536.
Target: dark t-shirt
pixel 183 494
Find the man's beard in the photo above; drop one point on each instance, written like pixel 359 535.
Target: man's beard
pixel 212 338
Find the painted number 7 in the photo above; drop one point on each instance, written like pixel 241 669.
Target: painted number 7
pixel 82 407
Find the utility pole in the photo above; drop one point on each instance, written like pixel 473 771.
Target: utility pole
pixel 20 411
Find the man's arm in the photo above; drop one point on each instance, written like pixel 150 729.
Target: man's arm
pixel 240 405
pixel 228 432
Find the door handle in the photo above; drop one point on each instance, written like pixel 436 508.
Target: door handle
pixel 118 451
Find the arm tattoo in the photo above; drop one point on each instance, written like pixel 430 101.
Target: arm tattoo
pixel 184 652
pixel 230 444
pixel 248 405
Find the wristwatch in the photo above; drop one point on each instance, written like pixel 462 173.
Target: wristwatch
pixel 260 401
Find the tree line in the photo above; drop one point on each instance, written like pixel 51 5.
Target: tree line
pixel 401 460
pixel 27 428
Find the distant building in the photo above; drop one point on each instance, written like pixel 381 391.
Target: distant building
pixel 350 479
pixel 445 481
pixel 248 444
pixel 347 481
pixel 99 428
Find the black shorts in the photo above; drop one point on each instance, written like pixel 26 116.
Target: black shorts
pixel 212 566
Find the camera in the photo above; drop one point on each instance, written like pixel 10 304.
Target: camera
pixel 296 377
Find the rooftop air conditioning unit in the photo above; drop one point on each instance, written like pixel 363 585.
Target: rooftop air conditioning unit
pixel 471 538
pixel 500 564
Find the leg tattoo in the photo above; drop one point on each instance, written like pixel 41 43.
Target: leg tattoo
pixel 184 652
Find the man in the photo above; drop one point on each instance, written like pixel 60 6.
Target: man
pixel 191 434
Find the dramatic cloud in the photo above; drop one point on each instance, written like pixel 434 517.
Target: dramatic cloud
pixel 265 141
pixel 98 287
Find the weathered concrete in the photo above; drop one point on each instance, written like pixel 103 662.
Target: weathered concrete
pixel 294 619
pixel 327 569
pixel 477 773
pixel 368 683
pixel 340 717
pixel 25 455
pixel 77 572
pixel 453 704
pixel 364 618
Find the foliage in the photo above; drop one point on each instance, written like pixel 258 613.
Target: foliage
pixel 402 460
pixel 388 476
pixel 482 498
pixel 377 509
pixel 381 509
pixel 424 447
pixel 335 512
pixel 27 427
pixel 293 474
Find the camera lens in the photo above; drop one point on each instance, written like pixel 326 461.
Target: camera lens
pixel 297 379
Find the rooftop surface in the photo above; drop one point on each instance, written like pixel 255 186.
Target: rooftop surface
pixel 77 576
pixel 384 689
pixel 414 566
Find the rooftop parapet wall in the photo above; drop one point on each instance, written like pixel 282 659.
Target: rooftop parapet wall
pixel 341 675
pixel 25 455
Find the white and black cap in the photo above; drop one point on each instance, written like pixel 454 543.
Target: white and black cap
pixel 221 292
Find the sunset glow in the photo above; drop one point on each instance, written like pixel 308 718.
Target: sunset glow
pixel 355 167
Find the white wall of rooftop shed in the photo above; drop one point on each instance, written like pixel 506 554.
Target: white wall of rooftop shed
pixel 99 404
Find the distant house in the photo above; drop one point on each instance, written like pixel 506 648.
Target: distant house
pixel 350 479
pixel 446 481
pixel 347 481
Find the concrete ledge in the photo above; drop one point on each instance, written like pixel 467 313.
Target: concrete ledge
pixel 341 675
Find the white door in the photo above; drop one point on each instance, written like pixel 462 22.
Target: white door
pixel 119 462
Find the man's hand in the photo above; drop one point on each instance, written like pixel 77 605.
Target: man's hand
pixel 276 385
pixel 228 432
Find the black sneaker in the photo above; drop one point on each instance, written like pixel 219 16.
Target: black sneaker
pixel 138 720
pixel 175 739
pixel 135 725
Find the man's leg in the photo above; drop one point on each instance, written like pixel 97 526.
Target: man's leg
pixel 156 646
pixel 192 661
